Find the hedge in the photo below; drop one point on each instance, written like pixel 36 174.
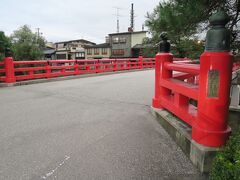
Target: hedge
pixel 226 165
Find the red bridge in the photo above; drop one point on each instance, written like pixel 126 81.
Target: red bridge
pixel 101 127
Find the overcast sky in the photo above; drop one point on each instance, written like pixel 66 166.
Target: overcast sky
pixel 61 20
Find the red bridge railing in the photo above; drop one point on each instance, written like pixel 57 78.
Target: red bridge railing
pixel 12 71
pixel 177 85
pixel 2 72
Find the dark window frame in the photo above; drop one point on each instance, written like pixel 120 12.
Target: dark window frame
pixel 104 51
pixel 96 51
pixel 89 51
pixel 117 52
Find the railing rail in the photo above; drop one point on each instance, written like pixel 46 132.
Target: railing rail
pixel 187 68
pixel 2 72
pixel 12 71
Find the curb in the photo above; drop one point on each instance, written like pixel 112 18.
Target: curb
pixel 201 156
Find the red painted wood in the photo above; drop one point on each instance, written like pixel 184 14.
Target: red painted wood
pixel 209 119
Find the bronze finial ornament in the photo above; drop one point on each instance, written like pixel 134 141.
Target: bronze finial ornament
pixel 164 44
pixel 8 52
pixel 218 36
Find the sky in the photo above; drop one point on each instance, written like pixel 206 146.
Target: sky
pixel 62 20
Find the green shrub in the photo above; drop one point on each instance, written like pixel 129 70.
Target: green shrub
pixel 226 165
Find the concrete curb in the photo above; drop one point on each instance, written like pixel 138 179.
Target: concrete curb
pixel 180 132
pixel 231 108
pixel 36 81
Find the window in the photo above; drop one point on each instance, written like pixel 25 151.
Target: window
pixel 104 51
pixel 61 56
pixel 80 55
pixel 74 46
pixel 118 52
pixel 96 51
pixel 122 40
pixel 59 45
pixel 89 51
pixel 115 40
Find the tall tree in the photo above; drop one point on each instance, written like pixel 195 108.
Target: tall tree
pixel 184 19
pixel 4 43
pixel 27 45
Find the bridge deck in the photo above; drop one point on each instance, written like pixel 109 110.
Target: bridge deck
pixel 89 128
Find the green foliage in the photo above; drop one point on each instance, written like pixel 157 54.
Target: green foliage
pixel 184 19
pixel 149 52
pixel 174 19
pixel 191 48
pixel 26 45
pixel 4 43
pixel 226 165
pixel 149 49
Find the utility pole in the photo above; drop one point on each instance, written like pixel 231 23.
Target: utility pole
pixel 38 35
pixel 117 20
pixel 38 32
pixel 132 17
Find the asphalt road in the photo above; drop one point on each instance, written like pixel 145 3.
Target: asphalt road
pixel 88 128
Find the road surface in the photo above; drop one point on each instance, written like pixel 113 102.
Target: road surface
pixel 88 128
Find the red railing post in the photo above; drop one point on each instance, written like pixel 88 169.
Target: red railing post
pixel 48 70
pixel 76 68
pixel 140 61
pixel 129 64
pixel 88 67
pixel 97 66
pixel 115 65
pixel 9 69
pixel 161 72
pixel 210 128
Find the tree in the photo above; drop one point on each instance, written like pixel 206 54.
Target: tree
pixel 205 8
pixel 183 20
pixel 149 50
pixel 4 43
pixel 26 45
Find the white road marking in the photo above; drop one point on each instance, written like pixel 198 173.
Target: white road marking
pixel 55 169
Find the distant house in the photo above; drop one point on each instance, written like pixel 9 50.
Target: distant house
pixel 74 49
pixel 123 45
pixel 99 51
pixel 49 53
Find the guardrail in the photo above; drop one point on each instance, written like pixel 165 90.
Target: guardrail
pixel 12 71
pixel 2 71
pixel 209 88
pixel 178 85
pixel 199 93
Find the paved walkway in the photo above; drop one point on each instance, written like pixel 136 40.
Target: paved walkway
pixel 89 128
